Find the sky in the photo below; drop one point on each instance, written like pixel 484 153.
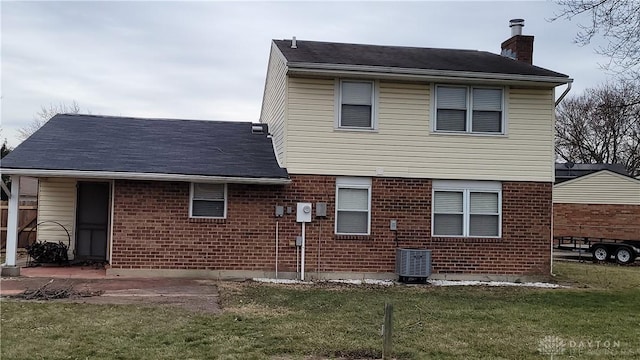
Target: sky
pixel 208 59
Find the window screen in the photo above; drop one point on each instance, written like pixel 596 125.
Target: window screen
pixel 448 216
pixel 452 108
pixel 352 210
pixel 208 200
pixel 468 109
pixel 356 104
pixel 487 110
pixel 466 208
pixel 484 214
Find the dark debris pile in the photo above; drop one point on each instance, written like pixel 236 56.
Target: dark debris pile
pixel 44 252
pixel 52 292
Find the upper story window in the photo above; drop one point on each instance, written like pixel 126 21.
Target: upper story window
pixel 469 109
pixel 208 200
pixel 467 209
pixel 353 206
pixel 356 105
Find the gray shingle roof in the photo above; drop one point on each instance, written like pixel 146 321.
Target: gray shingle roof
pixel 407 57
pixel 161 146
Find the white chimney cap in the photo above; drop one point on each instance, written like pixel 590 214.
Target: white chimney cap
pixel 516 26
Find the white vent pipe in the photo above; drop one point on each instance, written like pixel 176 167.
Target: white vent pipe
pixel 516 26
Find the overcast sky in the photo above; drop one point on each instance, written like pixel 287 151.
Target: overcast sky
pixel 208 60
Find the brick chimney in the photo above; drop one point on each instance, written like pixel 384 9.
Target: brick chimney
pixel 519 47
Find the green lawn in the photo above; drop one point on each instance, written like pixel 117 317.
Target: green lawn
pixel 313 322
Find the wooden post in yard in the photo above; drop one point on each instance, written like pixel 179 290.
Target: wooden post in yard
pixel 387 330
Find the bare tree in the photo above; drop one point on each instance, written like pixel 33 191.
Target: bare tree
pixel 46 113
pixel 601 126
pixel 618 22
pixel 4 151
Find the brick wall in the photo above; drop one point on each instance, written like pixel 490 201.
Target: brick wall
pixel 152 229
pixel 526 237
pixel 597 220
pixel 522 46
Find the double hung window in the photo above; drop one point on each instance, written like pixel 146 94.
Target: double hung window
pixel 353 206
pixel 469 109
pixel 467 210
pixel 357 108
pixel 208 200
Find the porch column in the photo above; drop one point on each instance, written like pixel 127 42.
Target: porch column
pixel 10 268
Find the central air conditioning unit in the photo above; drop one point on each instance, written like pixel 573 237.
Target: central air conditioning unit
pixel 413 264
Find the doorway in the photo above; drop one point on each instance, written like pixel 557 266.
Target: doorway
pixel 92 220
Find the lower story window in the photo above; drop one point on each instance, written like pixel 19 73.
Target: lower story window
pixel 208 200
pixel 353 206
pixel 467 209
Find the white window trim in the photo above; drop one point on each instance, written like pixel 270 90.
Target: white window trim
pixel 466 187
pixel 468 124
pixel 353 183
pixel 338 106
pixel 206 217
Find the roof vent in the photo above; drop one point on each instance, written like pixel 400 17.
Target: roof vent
pixel 516 26
pixel 294 45
pixel 257 129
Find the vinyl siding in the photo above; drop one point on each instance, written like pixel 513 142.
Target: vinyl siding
pixel 273 104
pixel 57 202
pixel 404 146
pixel 599 188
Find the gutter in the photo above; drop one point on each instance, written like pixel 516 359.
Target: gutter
pixel 395 72
pixel 121 175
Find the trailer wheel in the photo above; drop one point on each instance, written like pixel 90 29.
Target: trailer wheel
pixel 624 255
pixel 600 253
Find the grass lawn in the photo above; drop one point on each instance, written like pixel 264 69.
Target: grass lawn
pixel 598 318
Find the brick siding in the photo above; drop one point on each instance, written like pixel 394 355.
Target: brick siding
pixel 597 220
pixel 152 229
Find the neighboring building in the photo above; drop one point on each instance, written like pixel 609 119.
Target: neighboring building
pixel 597 201
pixel 448 150
pixel 28 190
pixel 568 171
pixel 27 217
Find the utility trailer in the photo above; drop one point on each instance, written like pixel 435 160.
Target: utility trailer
pixel 623 251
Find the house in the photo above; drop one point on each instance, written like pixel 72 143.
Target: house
pixel 150 193
pixel 596 200
pixel 452 147
pixel 569 171
pixel 360 150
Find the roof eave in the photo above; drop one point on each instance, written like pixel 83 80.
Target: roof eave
pixel 121 175
pixel 303 68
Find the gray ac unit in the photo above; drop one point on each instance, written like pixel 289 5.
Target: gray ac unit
pixel 413 263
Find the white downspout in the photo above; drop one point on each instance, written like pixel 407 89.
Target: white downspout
pixel 111 214
pixel 551 269
pixel 566 91
pixel 275 150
